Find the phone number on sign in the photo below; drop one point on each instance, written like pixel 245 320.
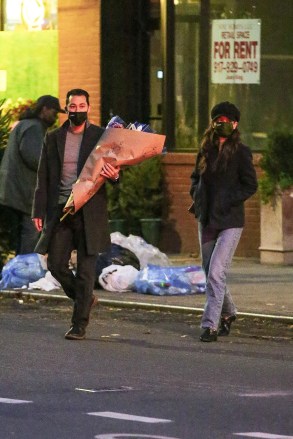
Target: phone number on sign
pixel 234 66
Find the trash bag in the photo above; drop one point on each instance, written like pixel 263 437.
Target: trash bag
pixel 118 278
pixel 117 255
pixel 22 270
pixel 146 253
pixel 171 281
pixel 47 283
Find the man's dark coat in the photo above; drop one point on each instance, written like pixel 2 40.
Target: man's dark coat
pixel 18 171
pixel 45 204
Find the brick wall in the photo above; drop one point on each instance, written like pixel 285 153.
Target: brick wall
pixel 179 234
pixel 79 50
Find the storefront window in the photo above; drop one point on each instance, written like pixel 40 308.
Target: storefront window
pixel 263 97
pixel 31 15
pixel 29 57
pixel 262 104
pixel 186 73
pixel 156 78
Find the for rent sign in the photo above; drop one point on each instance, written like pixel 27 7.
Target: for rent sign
pixel 235 51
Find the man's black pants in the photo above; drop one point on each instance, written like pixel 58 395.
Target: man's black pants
pixel 69 235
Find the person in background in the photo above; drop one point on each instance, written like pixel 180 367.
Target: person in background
pixel 223 178
pixel 64 153
pixel 18 171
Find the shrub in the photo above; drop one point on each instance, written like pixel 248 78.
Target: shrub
pixel 142 192
pixel 139 195
pixel 277 164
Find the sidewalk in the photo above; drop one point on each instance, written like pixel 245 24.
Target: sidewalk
pixel 258 291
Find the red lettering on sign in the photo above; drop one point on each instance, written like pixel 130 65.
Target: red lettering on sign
pixel 221 49
pixel 245 49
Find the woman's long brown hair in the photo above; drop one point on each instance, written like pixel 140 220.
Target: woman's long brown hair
pixel 210 140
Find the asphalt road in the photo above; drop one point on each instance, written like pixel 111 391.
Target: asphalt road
pixel 141 374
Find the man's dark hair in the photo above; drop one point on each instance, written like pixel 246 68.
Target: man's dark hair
pixel 78 92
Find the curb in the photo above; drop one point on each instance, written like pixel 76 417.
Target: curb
pixel 142 305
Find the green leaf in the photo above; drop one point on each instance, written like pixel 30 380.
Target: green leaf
pixel 277 164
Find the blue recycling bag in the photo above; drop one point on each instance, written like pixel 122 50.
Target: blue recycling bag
pixel 160 281
pixel 21 270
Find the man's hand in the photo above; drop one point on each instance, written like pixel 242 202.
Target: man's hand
pixel 110 171
pixel 38 222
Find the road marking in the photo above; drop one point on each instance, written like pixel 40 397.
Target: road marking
pixel 266 394
pixel 263 435
pixel 117 389
pixel 127 417
pixel 13 401
pixel 128 435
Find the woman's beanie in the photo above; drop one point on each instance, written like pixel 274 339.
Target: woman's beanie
pixel 225 109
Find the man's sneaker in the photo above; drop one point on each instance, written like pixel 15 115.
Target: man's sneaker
pixel 94 302
pixel 225 325
pixel 208 335
pixel 75 333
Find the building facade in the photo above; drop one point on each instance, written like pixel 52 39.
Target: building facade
pixel 166 62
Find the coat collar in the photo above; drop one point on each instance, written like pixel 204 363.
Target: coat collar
pixel 87 144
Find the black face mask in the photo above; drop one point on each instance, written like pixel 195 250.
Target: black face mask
pixel 77 117
pixel 223 129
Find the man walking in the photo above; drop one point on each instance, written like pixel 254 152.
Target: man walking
pixel 64 153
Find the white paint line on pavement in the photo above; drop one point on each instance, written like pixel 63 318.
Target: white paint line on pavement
pixel 266 394
pixel 13 401
pixel 86 390
pixel 128 435
pixel 127 417
pixel 263 435
pixel 117 389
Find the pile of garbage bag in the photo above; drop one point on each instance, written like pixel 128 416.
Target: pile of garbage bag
pixel 131 264
pixel 155 274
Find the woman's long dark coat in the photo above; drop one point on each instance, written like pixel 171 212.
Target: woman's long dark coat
pixel 219 195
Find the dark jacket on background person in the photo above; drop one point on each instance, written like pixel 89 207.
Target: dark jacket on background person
pixel 45 204
pixel 19 165
pixel 219 195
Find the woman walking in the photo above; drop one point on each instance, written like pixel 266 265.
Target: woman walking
pixel 223 178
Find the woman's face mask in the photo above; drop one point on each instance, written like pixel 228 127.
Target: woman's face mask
pixel 223 129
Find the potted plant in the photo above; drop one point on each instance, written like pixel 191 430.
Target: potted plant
pixel 117 216
pixel 276 191
pixel 141 198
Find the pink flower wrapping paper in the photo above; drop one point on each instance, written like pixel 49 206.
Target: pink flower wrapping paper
pixel 120 147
